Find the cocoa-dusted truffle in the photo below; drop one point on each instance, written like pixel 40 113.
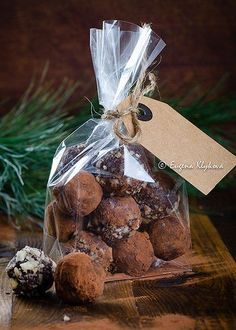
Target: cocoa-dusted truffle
pixel 92 245
pixel 30 272
pixel 115 218
pixel 114 177
pixel 57 224
pixel 78 279
pixel 79 196
pixel 170 237
pixel 133 255
pixel 156 200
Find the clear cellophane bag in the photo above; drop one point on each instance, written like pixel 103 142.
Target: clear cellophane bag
pixel 103 193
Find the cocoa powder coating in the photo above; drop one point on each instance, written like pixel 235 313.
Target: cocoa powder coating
pixel 170 237
pixel 80 196
pixel 57 224
pixel 78 279
pixel 133 255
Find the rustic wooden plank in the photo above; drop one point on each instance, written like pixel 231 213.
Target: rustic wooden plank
pixel 13 237
pixel 203 299
pixel 5 297
pixel 208 295
pixel 7 238
pixel 115 310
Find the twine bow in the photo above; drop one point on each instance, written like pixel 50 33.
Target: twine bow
pixel 133 110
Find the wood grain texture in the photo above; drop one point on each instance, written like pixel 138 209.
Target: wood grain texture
pixel 201 299
pixel 5 296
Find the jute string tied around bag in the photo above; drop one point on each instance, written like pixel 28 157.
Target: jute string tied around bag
pixel 133 110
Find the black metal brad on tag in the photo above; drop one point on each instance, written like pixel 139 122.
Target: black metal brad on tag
pixel 144 114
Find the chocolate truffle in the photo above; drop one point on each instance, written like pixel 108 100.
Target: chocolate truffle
pixel 170 237
pixel 79 196
pixel 133 255
pixel 57 224
pixel 92 245
pixel 114 178
pixel 78 279
pixel 156 200
pixel 30 272
pixel 115 218
pixel 70 157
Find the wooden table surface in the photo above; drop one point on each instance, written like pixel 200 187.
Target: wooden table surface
pixel 201 299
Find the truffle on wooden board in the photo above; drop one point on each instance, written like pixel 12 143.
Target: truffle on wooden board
pixel 79 196
pixel 114 177
pixel 30 272
pixel 133 255
pixel 170 237
pixel 115 218
pixel 58 224
pixel 78 279
pixel 92 245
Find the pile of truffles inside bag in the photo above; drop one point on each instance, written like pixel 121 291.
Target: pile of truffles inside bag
pixel 108 209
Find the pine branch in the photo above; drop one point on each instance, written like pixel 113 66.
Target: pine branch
pixel 29 136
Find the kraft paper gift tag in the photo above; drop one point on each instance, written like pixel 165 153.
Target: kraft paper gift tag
pixel 182 146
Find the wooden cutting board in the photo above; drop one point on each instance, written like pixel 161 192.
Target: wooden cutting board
pixel 201 299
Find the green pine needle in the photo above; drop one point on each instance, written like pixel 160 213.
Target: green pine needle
pixel 29 136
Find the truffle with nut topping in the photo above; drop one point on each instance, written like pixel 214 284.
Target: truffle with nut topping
pixel 57 224
pixel 78 279
pixel 70 157
pixel 159 199
pixel 92 245
pixel 113 177
pixel 115 218
pixel 79 196
pixel 133 255
pixel 170 237
pixel 30 272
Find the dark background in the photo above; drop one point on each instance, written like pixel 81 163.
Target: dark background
pixel 200 37
pixel 201 48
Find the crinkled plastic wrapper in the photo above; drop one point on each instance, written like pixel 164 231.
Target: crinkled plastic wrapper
pixel 106 198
